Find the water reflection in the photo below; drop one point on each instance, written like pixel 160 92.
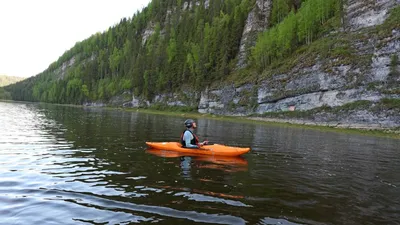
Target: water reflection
pixel 186 165
pixel 188 161
pixel 64 165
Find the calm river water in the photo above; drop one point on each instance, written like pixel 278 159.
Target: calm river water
pixel 71 165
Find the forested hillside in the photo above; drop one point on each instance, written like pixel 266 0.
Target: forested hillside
pixel 238 57
pixel 172 43
pixel 7 80
pixel 168 44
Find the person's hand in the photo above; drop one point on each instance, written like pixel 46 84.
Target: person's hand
pixel 203 143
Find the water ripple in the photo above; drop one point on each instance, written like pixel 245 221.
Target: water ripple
pixel 66 165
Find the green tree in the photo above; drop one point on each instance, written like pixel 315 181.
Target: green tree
pixel 280 9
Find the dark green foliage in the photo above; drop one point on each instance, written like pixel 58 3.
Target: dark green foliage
pixel 390 103
pixel 165 46
pixel 391 23
pixel 292 29
pixel 280 9
pixel 4 94
pixel 157 50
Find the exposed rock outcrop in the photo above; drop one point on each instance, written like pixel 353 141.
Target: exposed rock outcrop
pixel 64 67
pixel 319 83
pixel 228 100
pixel 366 13
pixel 148 32
pixel 94 104
pixel 185 98
pixel 382 56
pixel 256 22
pixel 136 103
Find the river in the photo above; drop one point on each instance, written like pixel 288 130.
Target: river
pixel 74 165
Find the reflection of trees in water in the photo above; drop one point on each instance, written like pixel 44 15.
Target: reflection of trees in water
pixel 118 139
pixel 335 170
pixel 115 136
pixel 313 173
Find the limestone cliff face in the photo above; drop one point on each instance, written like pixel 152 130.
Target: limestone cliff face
pixel 64 67
pixel 366 13
pixel 310 87
pixel 325 82
pixel 256 22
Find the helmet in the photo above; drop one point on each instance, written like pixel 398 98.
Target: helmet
pixel 189 123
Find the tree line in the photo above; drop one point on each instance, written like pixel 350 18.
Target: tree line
pixel 294 28
pixel 7 80
pixel 171 43
pixel 193 45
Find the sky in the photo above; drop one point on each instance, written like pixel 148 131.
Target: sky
pixel 35 33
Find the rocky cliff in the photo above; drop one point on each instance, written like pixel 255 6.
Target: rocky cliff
pixel 360 14
pixel 257 21
pixel 349 77
pixel 333 82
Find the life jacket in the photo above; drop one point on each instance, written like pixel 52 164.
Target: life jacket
pixel 194 141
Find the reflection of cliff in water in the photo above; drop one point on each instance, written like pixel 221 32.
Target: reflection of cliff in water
pixel 322 176
pixel 114 141
pixel 186 165
pixel 222 132
pixel 351 166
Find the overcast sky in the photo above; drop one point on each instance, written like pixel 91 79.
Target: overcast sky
pixel 34 33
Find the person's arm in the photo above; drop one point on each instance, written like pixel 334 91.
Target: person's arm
pixel 187 136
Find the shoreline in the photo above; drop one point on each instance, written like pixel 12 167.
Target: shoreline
pixel 353 128
pixel 363 129
pixel 337 125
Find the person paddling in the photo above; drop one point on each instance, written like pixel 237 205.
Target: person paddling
pixel 188 138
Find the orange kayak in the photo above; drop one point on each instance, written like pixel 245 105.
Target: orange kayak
pixel 214 149
pixel 217 159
